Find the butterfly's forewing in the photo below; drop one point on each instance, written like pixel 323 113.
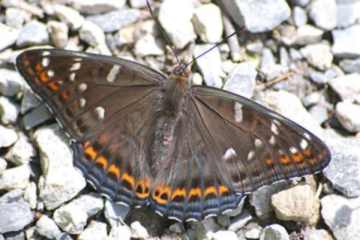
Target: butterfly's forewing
pixel 106 105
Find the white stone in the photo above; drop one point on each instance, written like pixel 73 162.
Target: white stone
pixel 323 13
pixel 274 232
pixel 138 231
pixel 347 87
pixel 9 110
pixel 348 115
pixel 8 36
pixel 21 152
pixel 8 136
pixel 319 55
pixel 120 231
pixel 95 228
pixel 11 83
pixel 14 178
pixel 46 227
pixel 69 16
pixel 344 40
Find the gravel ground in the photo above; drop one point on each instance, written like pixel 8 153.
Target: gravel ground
pixel 300 58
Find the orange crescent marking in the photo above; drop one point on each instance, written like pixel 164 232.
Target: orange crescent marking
pixel 159 192
pixel 223 189
pixel 129 179
pixel 103 161
pixel 210 190
pixel 298 157
pixel 284 159
pixel 269 162
pixel 179 192
pixel 195 192
pixel 115 170
pixel 144 185
pixel 90 151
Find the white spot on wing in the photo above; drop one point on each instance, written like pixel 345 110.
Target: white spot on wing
pixel 45 53
pixel 112 74
pixel 238 112
pixel 229 153
pixel 76 66
pixel 274 128
pixel 272 140
pixel 307 136
pixel 82 87
pixel 72 76
pixel 82 102
pixel 45 62
pixel 50 73
pixel 293 150
pixel 100 113
pixel 251 154
pixel 258 143
pixel 304 144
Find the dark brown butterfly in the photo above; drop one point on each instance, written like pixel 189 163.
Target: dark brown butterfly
pixel 143 138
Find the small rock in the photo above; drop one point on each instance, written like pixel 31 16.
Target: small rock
pixel 347 87
pixel 209 65
pixel 319 55
pixel 94 36
pixel 147 42
pixel 3 165
pixel 95 228
pixel 306 34
pixel 269 67
pixel 29 101
pixel 30 195
pixel 240 221
pixel 15 17
pixel 302 3
pixel 208 23
pixel 14 216
pixel 69 16
pixel 317 234
pixel 21 152
pixel 36 117
pixel 73 216
pixel 344 42
pixel 299 16
pixel 319 112
pixel 115 213
pixel 297 204
pixel 274 232
pixel 253 232
pixel 9 111
pixel 98 6
pixel 58 33
pixel 242 80
pixel 122 232
pixel 175 17
pixel 348 13
pixel 115 20
pixel 350 65
pixel 33 33
pixel 8 36
pixel 342 216
pixel 138 3
pixel 16 177
pixel 8 137
pixel 323 13
pixel 221 235
pixel 11 83
pixel 138 231
pixel 348 115
pixel 56 161
pixel 46 227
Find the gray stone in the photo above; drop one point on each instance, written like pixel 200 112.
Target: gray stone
pixel 240 221
pixel 320 113
pixel 175 17
pixel 272 12
pixel 348 115
pixel 342 216
pixel 317 234
pixel 11 83
pixel 350 65
pixel 138 231
pixel 303 35
pixel 115 213
pixel 302 3
pixel 299 16
pixel 147 43
pixel 95 228
pixel 318 55
pixel 14 216
pixel 9 111
pixel 21 152
pixel 8 36
pixel 36 117
pixel 120 232
pixel 242 80
pixel 347 87
pixel 94 36
pixel 72 217
pixel 253 231
pixel 274 232
pixel 56 161
pixel 208 23
pixel 222 234
pixel 115 20
pixel 15 17
pixel 33 33
pixel 323 13
pixel 8 137
pixel 344 167
pixel 261 199
pixel 69 16
pixel 3 165
pixel 58 33
pixel 30 194
pixel 269 67
pixel 348 13
pixel 344 40
pixel 28 101
pixel 16 177
pixel 46 227
pixel 209 65
pixel 97 6
pixel 138 3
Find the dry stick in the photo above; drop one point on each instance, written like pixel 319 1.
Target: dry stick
pixel 233 42
pixel 281 78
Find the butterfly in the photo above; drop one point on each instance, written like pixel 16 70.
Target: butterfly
pixel 144 138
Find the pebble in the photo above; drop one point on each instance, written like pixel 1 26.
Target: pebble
pixel 46 227
pixel 115 20
pixel 98 6
pixel 298 203
pixel 68 15
pixel 241 80
pixel 306 34
pixel 209 65
pixel 33 33
pixel 317 234
pixel 9 111
pixel 139 3
pixel 318 55
pixel 15 177
pixel 208 23
pixel 274 232
pixel 120 231
pixel 347 87
pixel 147 44
pixel 14 216
pixel 28 101
pixel 344 42
pixel 11 83
pixel 58 33
pixel 138 231
pixel 94 36
pixel 3 165
pixel 222 234
pixel 350 65
pixel 15 17
pixel 323 13
pixel 348 115
pixel 30 194
pixel 8 136
pixel 175 17
pixel 21 152
pixel 72 217
pixel 94 228
pixel 268 67
pixel 299 16
pixel 115 213
pixel 302 3
pixel 348 13
pixel 8 36
pixel 57 161
pixel 342 216
pixel 240 221
pixel 36 117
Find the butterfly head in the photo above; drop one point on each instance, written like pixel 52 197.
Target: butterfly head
pixel 181 73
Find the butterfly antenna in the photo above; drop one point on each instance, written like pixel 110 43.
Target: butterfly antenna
pixel 166 36
pixel 210 49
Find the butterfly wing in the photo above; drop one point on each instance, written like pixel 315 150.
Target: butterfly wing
pixel 106 105
pixel 229 146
